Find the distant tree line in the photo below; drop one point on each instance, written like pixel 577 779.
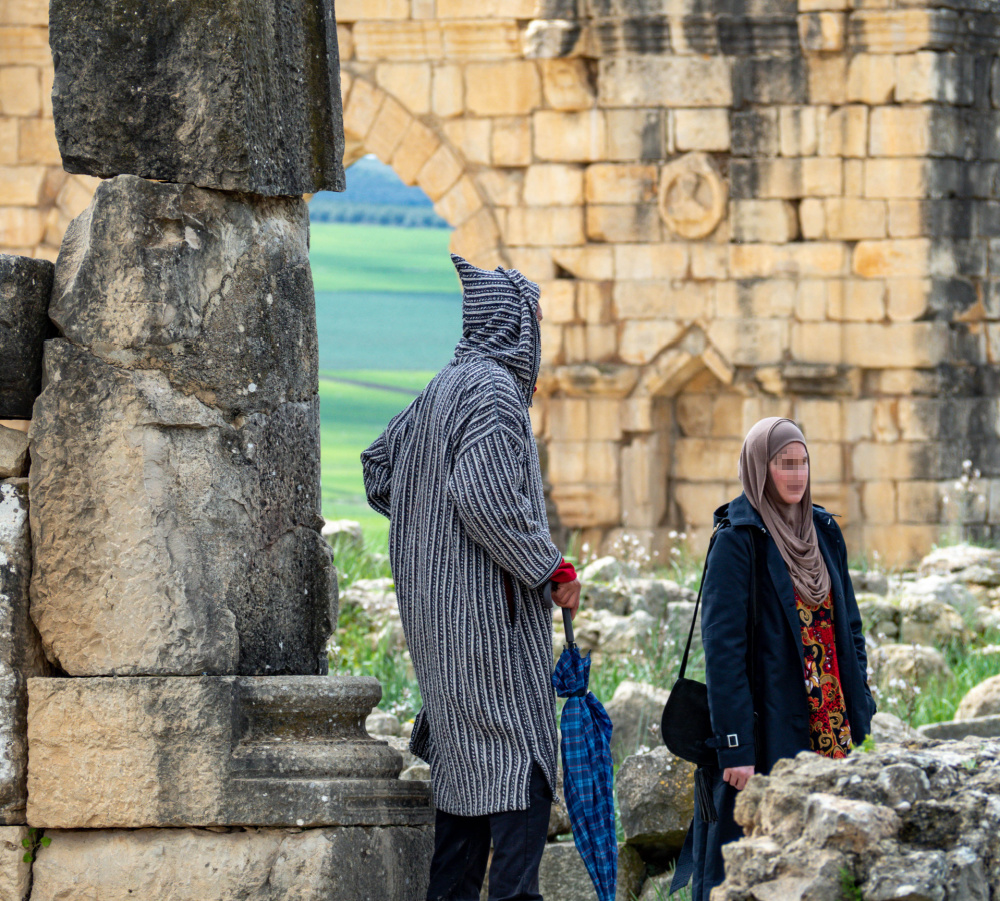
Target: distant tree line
pixel 372 214
pixel 375 196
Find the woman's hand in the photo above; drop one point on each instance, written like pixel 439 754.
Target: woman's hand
pixel 567 594
pixel 737 776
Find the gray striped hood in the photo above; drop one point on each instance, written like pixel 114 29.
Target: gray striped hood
pixel 499 320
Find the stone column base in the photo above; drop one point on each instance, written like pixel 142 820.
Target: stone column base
pixel 346 864
pixel 213 751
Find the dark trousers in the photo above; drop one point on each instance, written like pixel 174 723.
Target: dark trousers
pixel 700 861
pixel 462 848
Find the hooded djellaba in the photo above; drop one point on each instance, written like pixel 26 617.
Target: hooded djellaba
pixel 457 474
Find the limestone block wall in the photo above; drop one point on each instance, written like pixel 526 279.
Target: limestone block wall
pixel 735 208
pixel 37 198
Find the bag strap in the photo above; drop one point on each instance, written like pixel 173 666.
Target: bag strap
pixel 697 603
pixel 753 606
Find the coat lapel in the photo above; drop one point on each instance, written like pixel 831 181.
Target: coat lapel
pixel 786 593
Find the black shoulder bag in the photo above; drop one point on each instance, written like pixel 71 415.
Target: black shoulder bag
pixel 686 725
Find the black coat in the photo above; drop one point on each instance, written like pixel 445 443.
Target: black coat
pixel 779 693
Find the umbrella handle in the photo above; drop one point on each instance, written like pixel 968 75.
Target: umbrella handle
pixel 568 627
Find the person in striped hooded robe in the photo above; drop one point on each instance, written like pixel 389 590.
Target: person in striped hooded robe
pixel 457 474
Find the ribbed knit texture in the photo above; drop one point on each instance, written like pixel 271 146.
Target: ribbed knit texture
pixel 457 474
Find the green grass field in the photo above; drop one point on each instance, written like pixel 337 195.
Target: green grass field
pixel 351 417
pixel 388 311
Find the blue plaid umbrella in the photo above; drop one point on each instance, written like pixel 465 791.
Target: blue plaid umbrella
pixel 587 767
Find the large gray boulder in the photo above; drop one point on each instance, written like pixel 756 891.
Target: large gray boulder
pixel 975 727
pixel 964 562
pixel 563 876
pixel 927 621
pixel 25 288
pixel 223 95
pixel 657 597
pixel 212 289
pixel 236 864
pixel 20 649
pixel 285 751
pixel 635 710
pixel 982 700
pixel 910 664
pixel 656 802
pixel 169 539
pixel 887 728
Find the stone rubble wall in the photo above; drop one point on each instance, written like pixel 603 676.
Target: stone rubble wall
pixel 734 210
pixel 921 818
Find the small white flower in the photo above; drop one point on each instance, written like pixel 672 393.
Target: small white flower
pixel 252 387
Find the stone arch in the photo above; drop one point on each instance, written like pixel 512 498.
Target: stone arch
pixel 377 122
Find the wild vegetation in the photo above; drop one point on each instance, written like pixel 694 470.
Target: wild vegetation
pixel 654 659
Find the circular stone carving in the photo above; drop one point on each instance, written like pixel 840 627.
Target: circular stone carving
pixel 692 196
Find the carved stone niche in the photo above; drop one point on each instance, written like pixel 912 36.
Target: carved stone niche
pixel 213 751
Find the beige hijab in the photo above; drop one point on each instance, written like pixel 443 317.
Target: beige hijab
pixel 791 525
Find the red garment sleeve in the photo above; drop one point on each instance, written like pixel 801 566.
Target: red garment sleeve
pixel 564 572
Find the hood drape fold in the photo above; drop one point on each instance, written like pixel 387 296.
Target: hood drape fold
pixel 499 320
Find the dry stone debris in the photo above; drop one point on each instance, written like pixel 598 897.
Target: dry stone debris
pixel 869 582
pixel 965 562
pixel 13 453
pixel 605 632
pixel 559 823
pixel 343 532
pixel 896 822
pixel 927 621
pixel 976 727
pixel 218 95
pixel 235 864
pixel 912 664
pixel 881 617
pixel 940 589
pixel 381 723
pixel 887 728
pixel 603 569
pixel 982 700
pixel 25 289
pixel 656 800
pixel 635 710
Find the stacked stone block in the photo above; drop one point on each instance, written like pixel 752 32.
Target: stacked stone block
pixel 760 207
pixel 182 592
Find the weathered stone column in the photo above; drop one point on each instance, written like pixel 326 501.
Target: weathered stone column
pixel 181 584
pixel 25 286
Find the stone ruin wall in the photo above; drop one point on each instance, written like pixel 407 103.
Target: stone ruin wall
pixel 735 208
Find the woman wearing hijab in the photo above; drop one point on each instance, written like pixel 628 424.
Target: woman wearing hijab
pixel 806 686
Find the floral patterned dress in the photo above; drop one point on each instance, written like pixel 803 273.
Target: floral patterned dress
pixel 829 731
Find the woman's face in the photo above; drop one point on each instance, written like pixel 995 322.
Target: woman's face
pixel 790 472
